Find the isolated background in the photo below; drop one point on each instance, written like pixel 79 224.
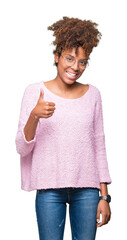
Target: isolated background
pixel 26 57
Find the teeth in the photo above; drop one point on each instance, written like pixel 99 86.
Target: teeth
pixel 72 74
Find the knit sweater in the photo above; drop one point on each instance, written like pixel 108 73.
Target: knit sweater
pixel 68 149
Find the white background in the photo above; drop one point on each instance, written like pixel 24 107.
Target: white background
pixel 26 57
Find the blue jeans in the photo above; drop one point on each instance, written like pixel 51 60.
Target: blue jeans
pixel 50 206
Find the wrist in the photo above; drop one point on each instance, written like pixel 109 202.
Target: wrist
pixel 106 198
pixel 34 116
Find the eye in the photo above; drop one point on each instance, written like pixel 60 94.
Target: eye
pixel 69 59
pixel 83 63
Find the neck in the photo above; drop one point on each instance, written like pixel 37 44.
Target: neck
pixel 65 86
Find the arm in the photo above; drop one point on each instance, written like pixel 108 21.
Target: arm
pixel 41 110
pixel 99 142
pixel 29 118
pixel 104 189
pixel 103 207
pixel 101 161
pixel 30 127
pixel 26 137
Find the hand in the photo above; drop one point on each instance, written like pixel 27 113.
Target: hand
pixel 104 209
pixel 43 109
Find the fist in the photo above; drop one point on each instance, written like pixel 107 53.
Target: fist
pixel 43 109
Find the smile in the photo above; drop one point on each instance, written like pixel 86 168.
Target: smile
pixel 72 75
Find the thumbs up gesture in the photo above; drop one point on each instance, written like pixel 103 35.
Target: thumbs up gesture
pixel 43 109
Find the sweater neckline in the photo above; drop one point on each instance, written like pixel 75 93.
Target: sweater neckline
pixel 67 99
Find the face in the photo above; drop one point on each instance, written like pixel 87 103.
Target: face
pixel 69 74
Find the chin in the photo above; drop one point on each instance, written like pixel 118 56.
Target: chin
pixel 70 81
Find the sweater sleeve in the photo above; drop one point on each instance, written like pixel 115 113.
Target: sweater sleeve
pixel 23 146
pixel 99 140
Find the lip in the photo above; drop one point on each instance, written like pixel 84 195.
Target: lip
pixel 68 74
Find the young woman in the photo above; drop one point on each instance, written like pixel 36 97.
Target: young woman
pixel 61 139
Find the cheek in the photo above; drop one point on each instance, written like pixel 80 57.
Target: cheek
pixel 61 69
pixel 82 71
pixel 61 72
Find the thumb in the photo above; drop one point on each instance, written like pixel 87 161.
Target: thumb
pixel 41 97
pixel 98 216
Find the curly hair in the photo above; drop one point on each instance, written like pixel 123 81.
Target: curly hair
pixel 73 32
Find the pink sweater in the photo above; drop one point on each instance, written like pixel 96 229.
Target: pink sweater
pixel 68 149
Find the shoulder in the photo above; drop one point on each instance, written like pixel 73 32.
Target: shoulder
pixel 32 86
pixel 32 89
pixel 96 94
pixel 93 87
pixel 96 91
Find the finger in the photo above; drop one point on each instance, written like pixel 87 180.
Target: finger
pixel 50 104
pixel 99 224
pixel 49 112
pixel 50 109
pixel 104 219
pixel 47 115
pixel 41 97
pixel 98 216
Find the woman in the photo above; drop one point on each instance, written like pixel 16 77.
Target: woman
pixel 61 139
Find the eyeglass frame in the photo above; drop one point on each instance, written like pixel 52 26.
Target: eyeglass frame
pixel 75 61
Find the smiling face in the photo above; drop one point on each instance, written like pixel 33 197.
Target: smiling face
pixel 65 72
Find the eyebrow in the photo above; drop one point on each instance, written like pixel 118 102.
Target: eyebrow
pixel 73 56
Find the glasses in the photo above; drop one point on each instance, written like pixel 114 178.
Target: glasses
pixel 70 61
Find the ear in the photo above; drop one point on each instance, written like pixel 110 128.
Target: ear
pixel 56 57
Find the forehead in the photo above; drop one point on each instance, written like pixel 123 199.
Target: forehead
pixel 80 52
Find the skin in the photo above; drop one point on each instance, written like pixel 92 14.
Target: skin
pixel 64 86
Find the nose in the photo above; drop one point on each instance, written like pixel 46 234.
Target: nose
pixel 75 66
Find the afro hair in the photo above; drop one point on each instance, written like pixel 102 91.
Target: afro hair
pixel 73 32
